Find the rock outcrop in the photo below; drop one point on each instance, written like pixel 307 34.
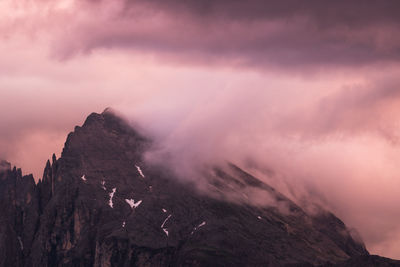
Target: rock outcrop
pixel 101 204
pixel 19 216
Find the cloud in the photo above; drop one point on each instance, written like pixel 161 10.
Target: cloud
pixel 261 34
pixel 337 149
pixel 370 107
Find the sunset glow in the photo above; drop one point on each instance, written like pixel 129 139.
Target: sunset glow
pixel 308 93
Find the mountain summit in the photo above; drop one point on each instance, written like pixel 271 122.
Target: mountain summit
pixel 102 204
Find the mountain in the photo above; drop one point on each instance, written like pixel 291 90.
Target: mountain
pixel 102 204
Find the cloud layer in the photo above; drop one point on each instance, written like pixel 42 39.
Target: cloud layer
pixel 290 35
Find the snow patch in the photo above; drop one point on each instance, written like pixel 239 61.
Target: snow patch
pixel 103 185
pixel 164 210
pixel 197 227
pixel 139 170
pixel 132 203
pixel 83 178
pixel 123 224
pixel 111 197
pixel 21 245
pixel 259 217
pixel 162 225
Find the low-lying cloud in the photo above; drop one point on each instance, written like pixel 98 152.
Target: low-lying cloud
pixel 349 168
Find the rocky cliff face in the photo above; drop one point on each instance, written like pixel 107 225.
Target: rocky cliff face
pixel 101 204
pixel 19 215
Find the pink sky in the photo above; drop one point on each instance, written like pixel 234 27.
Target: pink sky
pixel 307 91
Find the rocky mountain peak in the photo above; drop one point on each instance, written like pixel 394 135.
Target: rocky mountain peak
pixel 101 204
pixel 4 166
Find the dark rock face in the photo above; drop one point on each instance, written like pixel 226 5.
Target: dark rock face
pixel 19 216
pixel 100 204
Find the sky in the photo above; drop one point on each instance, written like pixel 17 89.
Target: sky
pixel 303 94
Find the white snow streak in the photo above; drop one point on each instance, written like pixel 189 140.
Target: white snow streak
pixel 111 197
pixel 259 217
pixel 198 226
pixel 83 178
pixel 164 210
pixel 103 185
pixel 21 245
pixel 162 225
pixel 132 203
pixel 165 231
pixel 139 170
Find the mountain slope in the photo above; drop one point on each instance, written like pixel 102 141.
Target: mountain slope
pixel 101 204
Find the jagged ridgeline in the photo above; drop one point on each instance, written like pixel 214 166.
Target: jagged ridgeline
pixel 101 204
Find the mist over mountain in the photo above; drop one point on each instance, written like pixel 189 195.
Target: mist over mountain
pixel 106 202
pixel 301 95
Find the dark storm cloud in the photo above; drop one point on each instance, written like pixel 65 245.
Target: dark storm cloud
pixel 324 13
pixel 252 33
